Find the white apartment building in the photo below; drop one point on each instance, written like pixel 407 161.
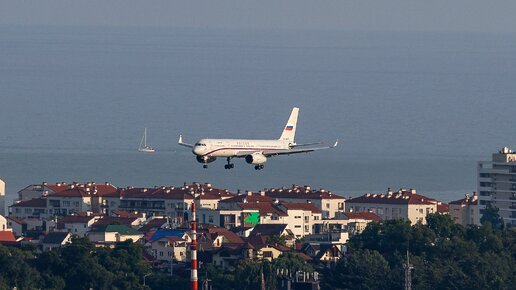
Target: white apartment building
pixel 174 202
pixel 406 205
pixel 328 202
pixel 2 197
pixel 36 207
pixel 251 208
pixel 497 184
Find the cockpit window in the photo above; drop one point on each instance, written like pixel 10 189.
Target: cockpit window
pixel 200 144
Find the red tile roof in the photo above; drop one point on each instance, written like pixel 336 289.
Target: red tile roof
pixel 16 220
pixel 98 189
pixel 249 197
pixel 229 235
pixel 107 220
pixel 443 207
pixel 263 208
pixel 467 200
pixel 7 236
pixel 400 197
pixel 301 192
pixel 153 224
pixel 187 191
pixel 300 206
pixel 75 219
pixel 35 202
pixel 363 215
pixel 71 192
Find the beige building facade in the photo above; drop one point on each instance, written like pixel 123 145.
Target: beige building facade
pixel 403 204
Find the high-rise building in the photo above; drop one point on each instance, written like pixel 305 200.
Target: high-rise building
pixel 2 197
pixel 497 185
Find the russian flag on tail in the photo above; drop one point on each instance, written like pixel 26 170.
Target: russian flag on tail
pixel 289 127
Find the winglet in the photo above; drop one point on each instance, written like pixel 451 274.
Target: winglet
pixel 180 142
pixel 336 143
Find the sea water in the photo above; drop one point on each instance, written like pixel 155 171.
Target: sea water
pixel 411 110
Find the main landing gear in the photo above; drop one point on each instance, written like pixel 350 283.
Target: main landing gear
pixel 258 167
pixel 229 165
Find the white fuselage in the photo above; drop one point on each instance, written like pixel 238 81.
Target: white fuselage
pixel 236 147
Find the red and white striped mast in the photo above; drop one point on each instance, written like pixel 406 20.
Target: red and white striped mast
pixel 193 247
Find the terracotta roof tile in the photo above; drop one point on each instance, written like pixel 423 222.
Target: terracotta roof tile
pixel 263 208
pixel 7 236
pixel 300 192
pixel 35 202
pixel 300 206
pixel 401 197
pixel 363 215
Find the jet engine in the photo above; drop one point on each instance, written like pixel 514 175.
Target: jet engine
pixel 205 159
pixel 256 158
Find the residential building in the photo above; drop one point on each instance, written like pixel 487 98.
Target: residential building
pixel 78 225
pixel 45 188
pixel 3 223
pixel 2 197
pixel 19 227
pixel 36 207
pixel 169 248
pixel 403 204
pixel 328 202
pixel 497 185
pixel 54 240
pixel 465 211
pixel 169 245
pixel 113 233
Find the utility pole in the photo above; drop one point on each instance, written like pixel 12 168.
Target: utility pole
pixel 408 273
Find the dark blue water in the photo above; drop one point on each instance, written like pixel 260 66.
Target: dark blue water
pixel 411 110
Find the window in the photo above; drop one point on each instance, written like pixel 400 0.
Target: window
pixel 327 205
pixel 161 253
pixel 316 218
pixel 297 217
pixel 66 203
pixel 267 254
pixel 307 218
pixel 307 229
pixel 297 226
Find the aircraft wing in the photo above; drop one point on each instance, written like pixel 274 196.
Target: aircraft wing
pixel 294 151
pixel 180 142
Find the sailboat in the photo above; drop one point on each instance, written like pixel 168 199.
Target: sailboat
pixel 143 144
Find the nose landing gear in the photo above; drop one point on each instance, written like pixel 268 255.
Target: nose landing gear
pixel 258 167
pixel 229 165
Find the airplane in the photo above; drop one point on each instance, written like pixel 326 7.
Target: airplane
pixel 255 152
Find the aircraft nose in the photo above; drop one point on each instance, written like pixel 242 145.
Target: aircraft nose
pixel 197 150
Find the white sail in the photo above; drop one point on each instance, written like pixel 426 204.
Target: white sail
pixel 143 144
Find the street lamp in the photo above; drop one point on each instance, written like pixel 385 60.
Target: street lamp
pixel 145 276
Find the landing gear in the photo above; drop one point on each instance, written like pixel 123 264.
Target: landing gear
pixel 205 166
pixel 229 165
pixel 258 167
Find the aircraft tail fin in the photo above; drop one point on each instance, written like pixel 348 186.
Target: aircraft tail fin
pixel 289 132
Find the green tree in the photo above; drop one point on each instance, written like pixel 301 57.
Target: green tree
pixel 491 215
pixel 363 269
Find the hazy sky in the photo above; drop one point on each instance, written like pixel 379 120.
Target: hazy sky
pixel 378 15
